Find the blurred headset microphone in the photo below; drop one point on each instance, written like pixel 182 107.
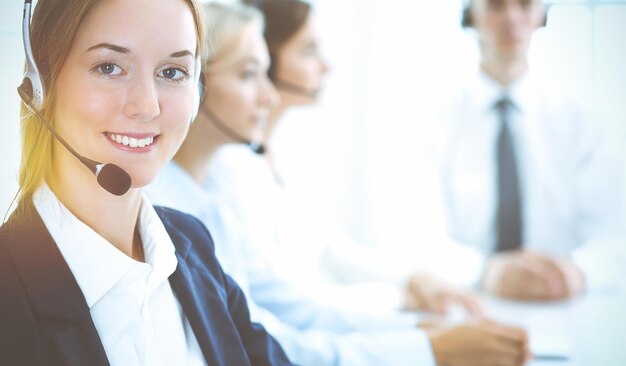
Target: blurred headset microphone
pixel 256 146
pixel 295 89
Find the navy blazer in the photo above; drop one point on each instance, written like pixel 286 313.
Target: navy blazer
pixel 44 318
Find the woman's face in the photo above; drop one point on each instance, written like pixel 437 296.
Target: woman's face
pixel 300 64
pixel 239 93
pixel 125 92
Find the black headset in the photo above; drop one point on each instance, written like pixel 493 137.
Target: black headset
pixel 467 19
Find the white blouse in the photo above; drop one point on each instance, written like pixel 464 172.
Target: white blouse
pixel 137 315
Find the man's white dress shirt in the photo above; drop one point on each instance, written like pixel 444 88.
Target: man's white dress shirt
pixel 137 315
pixel 571 184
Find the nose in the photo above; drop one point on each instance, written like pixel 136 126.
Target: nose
pixel 142 99
pixel 267 94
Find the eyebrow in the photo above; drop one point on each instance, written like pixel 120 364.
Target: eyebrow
pixel 121 49
pixel 182 54
pixel 109 46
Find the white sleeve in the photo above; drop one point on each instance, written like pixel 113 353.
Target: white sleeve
pixel 314 334
pixel 303 308
pixel 316 347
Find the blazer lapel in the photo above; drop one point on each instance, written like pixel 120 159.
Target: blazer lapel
pixel 204 303
pixel 62 315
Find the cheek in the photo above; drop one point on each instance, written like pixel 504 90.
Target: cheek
pixel 537 19
pixel 295 71
pixel 310 69
pixel 232 104
pixel 85 107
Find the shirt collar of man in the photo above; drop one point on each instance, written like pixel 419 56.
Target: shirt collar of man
pixel 488 91
pixel 95 263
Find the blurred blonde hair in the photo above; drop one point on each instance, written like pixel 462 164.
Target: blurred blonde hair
pixel 226 24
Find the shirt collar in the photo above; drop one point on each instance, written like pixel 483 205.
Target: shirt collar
pixel 489 91
pixel 159 250
pixel 95 263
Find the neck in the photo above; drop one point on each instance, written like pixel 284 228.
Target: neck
pixel 202 141
pixel 112 217
pixel 504 72
pixel 274 119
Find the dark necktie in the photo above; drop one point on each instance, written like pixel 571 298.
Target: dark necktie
pixel 509 210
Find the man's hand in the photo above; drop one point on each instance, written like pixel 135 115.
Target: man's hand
pixel 481 342
pixel 426 292
pixel 530 276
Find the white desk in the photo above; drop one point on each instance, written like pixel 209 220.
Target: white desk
pixel 591 330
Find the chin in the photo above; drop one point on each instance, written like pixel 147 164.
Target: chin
pixel 140 179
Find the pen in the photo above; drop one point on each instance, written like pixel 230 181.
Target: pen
pixel 550 357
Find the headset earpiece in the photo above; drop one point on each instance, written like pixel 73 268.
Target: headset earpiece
pixel 466 18
pixel 31 90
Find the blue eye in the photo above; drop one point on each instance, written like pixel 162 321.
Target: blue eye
pixel 310 51
pixel 174 74
pixel 248 74
pixel 109 69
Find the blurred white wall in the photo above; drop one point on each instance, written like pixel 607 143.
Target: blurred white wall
pixel 392 62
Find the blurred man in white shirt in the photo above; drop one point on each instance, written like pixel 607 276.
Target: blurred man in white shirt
pixel 525 175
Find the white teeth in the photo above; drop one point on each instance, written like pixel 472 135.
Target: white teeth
pixel 131 141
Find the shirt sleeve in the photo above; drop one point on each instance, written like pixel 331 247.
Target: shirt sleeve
pixel 302 308
pixel 322 347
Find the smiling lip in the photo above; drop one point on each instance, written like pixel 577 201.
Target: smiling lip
pixel 135 142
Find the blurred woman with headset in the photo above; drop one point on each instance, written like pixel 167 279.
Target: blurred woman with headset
pixel 238 109
pixel 90 272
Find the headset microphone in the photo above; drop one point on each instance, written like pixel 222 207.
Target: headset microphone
pixel 109 176
pixel 256 147
pixel 295 89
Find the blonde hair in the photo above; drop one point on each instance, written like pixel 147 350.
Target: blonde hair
pixel 53 29
pixel 225 26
